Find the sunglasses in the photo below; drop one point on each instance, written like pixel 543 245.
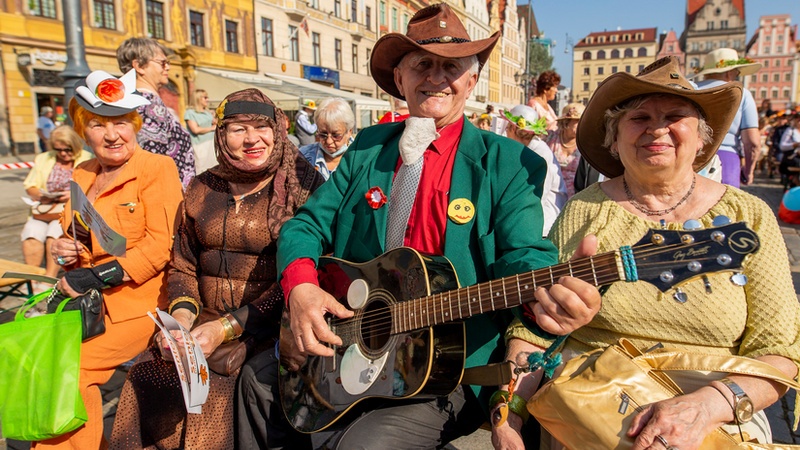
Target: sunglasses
pixel 62 150
pixel 164 63
pixel 324 136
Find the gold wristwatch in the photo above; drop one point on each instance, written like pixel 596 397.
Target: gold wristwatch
pixel 742 406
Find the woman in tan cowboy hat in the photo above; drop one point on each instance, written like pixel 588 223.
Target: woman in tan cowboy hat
pixel 564 144
pixel 742 138
pixel 649 134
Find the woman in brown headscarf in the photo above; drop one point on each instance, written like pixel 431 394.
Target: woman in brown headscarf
pixel 223 260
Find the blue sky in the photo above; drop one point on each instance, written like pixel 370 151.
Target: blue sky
pixel 581 17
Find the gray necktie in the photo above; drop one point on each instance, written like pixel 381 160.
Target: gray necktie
pixel 417 136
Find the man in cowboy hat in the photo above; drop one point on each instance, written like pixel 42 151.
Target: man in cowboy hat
pixel 721 66
pixel 476 201
pixel 303 128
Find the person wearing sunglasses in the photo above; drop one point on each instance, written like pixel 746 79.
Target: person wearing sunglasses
pixel 161 131
pixel 47 184
pixel 335 122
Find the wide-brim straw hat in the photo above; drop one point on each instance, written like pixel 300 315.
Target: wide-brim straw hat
pixel 573 111
pixel 109 96
pixel 724 59
pixel 435 29
pixel 718 106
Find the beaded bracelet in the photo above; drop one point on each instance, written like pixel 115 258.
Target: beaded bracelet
pixel 516 404
pixel 191 304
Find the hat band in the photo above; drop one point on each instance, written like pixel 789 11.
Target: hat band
pixel 244 107
pixel 443 40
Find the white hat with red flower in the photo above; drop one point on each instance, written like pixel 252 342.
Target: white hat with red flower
pixel 109 96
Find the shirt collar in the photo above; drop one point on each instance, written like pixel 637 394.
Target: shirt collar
pixel 448 136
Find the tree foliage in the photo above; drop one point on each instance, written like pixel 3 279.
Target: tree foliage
pixel 540 58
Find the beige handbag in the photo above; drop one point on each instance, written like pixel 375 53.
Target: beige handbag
pixel 592 402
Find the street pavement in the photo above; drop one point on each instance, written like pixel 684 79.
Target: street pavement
pixel 13 214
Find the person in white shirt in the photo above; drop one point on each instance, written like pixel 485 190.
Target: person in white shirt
pixel 526 127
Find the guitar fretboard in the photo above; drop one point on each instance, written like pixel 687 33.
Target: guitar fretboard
pixel 502 293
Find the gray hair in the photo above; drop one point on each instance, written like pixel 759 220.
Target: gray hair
pixel 44 110
pixel 614 115
pixel 138 49
pixel 335 110
pixel 472 63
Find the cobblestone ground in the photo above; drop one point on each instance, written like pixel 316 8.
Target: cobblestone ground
pixel 13 216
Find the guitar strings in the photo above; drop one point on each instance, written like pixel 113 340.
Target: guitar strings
pixel 425 308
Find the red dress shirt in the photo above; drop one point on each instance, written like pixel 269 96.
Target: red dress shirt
pixel 428 219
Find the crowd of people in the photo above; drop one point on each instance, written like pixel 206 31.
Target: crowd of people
pixel 225 222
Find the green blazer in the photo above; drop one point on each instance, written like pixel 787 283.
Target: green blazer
pixel 501 177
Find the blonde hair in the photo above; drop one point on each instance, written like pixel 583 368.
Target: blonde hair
pixel 65 135
pixel 199 94
pixel 82 116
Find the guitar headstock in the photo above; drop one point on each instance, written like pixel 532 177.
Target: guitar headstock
pixel 665 258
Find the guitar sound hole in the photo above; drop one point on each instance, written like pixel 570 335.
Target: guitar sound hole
pixel 376 326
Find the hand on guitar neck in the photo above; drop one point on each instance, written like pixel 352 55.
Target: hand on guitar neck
pixel 308 305
pixel 570 303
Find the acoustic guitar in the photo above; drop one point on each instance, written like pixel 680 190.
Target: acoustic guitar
pixel 406 339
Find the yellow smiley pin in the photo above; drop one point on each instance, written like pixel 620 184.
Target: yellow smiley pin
pixel 461 211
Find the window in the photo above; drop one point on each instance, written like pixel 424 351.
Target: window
pixel 629 53
pixel 382 14
pixel 598 84
pixel 315 47
pixel 785 93
pixel 775 94
pixel 395 26
pixel 337 49
pixel 354 10
pixel 601 39
pixel 780 49
pixel 642 52
pixel 776 77
pixel 155 19
pixel 765 78
pixel 104 16
pixel 294 44
pixel 763 93
pixel 614 38
pixel 589 40
pixel 777 63
pixel 601 54
pixel 670 48
pixel 723 24
pixel 641 67
pixel 695 46
pixel 197 28
pixel 600 70
pixel 231 36
pixel 46 8
pixel 626 37
pixel 788 76
pixel 754 78
pixel 337 8
pixel 614 54
pixel 405 23
pixel 355 58
pixel 766 50
pixel 766 63
pixel 585 86
pixel 587 55
pixel 709 25
pixel 613 69
pixel 267 38
pixel 314 4
pixel 368 17
pixel 369 53
pixel 695 62
pixel 627 69
pixel 586 71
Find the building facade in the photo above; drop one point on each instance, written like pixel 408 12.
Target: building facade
pixel 773 45
pixel 670 45
pixel 712 24
pixel 601 54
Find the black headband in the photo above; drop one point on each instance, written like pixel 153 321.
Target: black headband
pixel 245 107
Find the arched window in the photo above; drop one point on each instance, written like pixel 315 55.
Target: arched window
pixel 601 54
pixel 615 53
pixel 587 55
pixel 629 53
pixel 642 51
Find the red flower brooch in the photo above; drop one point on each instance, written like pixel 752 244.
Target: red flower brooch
pixel 375 197
pixel 110 90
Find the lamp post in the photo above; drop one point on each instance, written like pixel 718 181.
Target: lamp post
pixel 76 68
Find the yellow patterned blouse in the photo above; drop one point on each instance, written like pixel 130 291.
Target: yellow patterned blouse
pixel 761 318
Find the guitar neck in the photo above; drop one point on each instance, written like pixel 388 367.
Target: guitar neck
pixel 502 293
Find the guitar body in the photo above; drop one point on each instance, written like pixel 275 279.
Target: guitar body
pixel 375 362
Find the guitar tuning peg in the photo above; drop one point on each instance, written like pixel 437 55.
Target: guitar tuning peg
pixel 707 284
pixel 680 296
pixel 692 224
pixel 739 279
pixel 721 221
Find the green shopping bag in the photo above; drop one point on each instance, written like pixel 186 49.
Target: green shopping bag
pixel 39 369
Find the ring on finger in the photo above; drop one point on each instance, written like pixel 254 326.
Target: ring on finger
pixel 60 260
pixel 664 442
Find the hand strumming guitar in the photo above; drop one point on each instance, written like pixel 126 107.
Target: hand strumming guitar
pixel 308 305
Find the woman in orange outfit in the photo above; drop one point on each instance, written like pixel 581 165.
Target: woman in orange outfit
pixel 137 193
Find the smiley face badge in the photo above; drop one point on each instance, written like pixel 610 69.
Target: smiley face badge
pixel 461 211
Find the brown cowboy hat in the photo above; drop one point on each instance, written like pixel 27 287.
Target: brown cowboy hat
pixel 718 106
pixel 435 29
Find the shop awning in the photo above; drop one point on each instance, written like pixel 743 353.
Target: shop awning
pixel 304 89
pixel 220 83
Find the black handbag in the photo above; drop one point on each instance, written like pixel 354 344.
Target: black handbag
pixel 91 306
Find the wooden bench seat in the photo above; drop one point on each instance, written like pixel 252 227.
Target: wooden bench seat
pixel 17 287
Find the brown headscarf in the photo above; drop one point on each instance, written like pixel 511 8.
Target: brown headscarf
pixel 280 165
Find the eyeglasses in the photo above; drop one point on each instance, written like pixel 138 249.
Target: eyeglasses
pixel 324 136
pixel 164 63
pixel 60 150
